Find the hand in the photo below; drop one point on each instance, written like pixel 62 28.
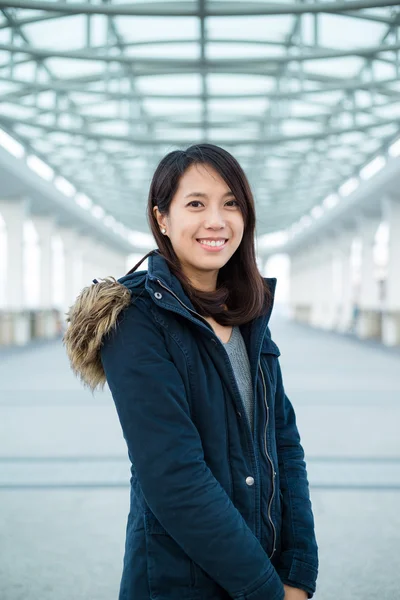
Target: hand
pixel 292 593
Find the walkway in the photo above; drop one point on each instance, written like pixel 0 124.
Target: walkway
pixel 64 471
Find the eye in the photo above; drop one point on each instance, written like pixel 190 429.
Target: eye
pixel 194 202
pixel 237 204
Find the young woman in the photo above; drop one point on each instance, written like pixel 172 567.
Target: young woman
pixel 220 504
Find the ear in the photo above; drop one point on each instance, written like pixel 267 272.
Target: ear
pixel 161 219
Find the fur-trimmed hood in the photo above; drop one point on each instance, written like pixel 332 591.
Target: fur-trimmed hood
pixel 93 315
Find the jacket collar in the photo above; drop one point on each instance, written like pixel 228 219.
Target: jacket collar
pixel 158 269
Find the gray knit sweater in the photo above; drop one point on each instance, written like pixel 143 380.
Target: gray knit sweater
pixel 237 352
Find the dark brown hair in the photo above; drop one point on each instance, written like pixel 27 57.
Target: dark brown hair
pixel 241 294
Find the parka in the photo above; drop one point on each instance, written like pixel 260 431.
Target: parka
pixel 216 512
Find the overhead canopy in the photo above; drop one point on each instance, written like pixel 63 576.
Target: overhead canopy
pixel 303 94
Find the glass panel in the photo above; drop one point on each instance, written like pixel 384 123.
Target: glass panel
pixel 65 67
pixel 338 67
pixel 264 28
pixel 250 107
pixel 65 33
pixel 177 51
pixel 169 84
pixel 159 107
pixel 244 84
pixel 136 29
pixel 242 50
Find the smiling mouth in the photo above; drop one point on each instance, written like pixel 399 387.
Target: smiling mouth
pixel 213 244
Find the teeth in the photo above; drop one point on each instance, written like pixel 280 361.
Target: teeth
pixel 212 243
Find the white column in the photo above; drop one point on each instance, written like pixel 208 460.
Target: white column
pixel 16 328
pixel 294 286
pixel 13 213
pixel 391 318
pixel 47 317
pixel 345 319
pixel 369 319
pixel 118 262
pixel 90 262
pixel 321 313
pixel 72 257
pixel 45 227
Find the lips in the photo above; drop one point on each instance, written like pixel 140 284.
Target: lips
pixel 212 248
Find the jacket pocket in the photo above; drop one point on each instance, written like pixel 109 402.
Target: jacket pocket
pixel 170 570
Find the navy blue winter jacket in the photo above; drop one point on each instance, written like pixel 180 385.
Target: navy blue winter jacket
pixel 214 513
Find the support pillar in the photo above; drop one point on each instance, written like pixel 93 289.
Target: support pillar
pixel 14 321
pixel 47 316
pixel 72 264
pixel 345 317
pixel 369 321
pixel 391 303
pixel 321 313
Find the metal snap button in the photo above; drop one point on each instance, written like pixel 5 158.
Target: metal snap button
pixel 249 480
pixel 158 295
pixel 274 473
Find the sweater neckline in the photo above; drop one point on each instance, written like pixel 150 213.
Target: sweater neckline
pixel 233 336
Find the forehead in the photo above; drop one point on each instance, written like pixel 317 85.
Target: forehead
pixel 201 177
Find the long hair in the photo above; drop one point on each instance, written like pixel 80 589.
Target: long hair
pixel 241 293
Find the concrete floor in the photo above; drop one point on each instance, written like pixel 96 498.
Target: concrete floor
pixel 64 472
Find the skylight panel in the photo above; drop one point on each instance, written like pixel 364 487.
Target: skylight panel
pixel 192 135
pixel 303 109
pixel 137 29
pixel 382 70
pixel 293 127
pixel 160 107
pixel 391 111
pixel 242 50
pixel 169 84
pixel 24 71
pixel 342 31
pixel 113 128
pixel 264 28
pixel 225 83
pixel 253 106
pixel 27 131
pixel 329 98
pixel 65 33
pixel 104 109
pixel 16 111
pixel 343 67
pixel 186 50
pixel 69 67
pixel 228 134
pixel 46 99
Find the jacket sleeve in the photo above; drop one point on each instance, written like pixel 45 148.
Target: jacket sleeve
pixel 167 454
pixel 298 562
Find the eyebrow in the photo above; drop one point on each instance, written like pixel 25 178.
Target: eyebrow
pixel 203 195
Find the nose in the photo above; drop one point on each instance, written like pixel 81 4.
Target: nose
pixel 214 218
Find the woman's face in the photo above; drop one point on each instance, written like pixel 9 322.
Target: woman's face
pixel 203 209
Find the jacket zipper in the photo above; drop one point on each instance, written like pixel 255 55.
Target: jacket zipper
pixel 267 408
pixel 270 460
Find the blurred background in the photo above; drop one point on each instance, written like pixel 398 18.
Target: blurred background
pixel 306 95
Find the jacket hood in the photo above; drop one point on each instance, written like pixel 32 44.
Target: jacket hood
pixel 96 309
pixel 95 313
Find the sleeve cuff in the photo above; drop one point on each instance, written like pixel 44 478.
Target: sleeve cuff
pixel 299 574
pixel 272 589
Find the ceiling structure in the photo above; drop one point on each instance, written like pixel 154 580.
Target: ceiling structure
pixel 302 93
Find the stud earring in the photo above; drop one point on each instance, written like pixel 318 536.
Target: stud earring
pixel 163 231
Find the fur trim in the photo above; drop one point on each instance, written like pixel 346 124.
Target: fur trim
pixel 93 314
